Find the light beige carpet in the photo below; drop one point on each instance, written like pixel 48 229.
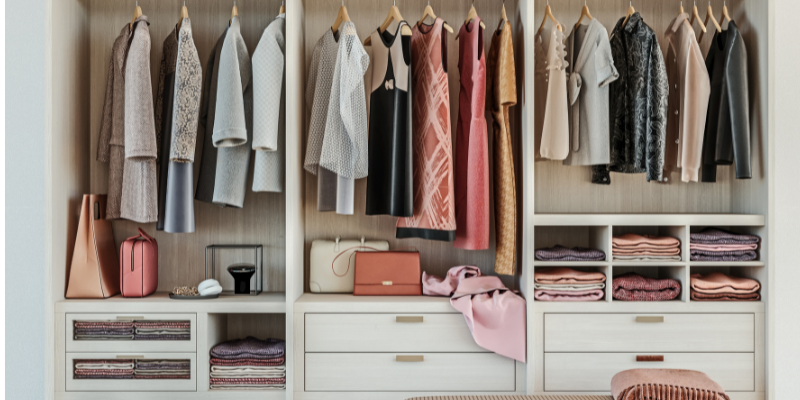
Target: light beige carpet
pixel 570 397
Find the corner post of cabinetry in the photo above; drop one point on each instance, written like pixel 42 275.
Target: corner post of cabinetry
pixel 60 354
pixel 203 361
pixel 686 257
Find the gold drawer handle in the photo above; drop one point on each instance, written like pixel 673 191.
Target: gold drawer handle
pixel 129 317
pixel 408 319
pixel 132 357
pixel 649 320
pixel 409 358
pixel 649 358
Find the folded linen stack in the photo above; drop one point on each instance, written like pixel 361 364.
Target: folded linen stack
pixel 561 253
pixel 162 369
pixel 249 364
pixel 717 286
pixel 714 244
pixel 634 287
pixel 162 330
pixel 633 247
pixel 103 330
pixel 567 284
pixel 103 369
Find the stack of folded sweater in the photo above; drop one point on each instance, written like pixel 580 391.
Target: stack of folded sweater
pixel 103 369
pixel 162 330
pixel 714 244
pixel 633 247
pixel 561 253
pixel 249 364
pixel 103 330
pixel 717 286
pixel 634 287
pixel 162 369
pixel 566 284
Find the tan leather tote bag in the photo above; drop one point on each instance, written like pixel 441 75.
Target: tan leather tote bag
pixel 94 272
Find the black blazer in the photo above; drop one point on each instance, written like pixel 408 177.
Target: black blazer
pixel 727 134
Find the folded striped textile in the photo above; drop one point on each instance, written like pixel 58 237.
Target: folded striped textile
pixel 563 275
pixel 114 361
pixel 737 255
pixel 569 287
pixel 559 295
pixel 103 337
pixel 646 258
pixel 249 361
pixel 162 377
pixel 697 296
pixel 634 287
pixel 150 366
pixel 717 282
pixel 157 331
pixel 163 324
pixel 641 247
pixel 162 372
pixel 632 239
pixel 248 387
pixel 219 368
pixel 103 377
pixel 103 331
pixel 231 374
pixel 87 366
pixel 249 347
pixel 162 337
pixel 561 253
pixel 103 324
pixel 103 372
pixel 674 251
pixel 248 381
pixel 723 247
pixel 719 236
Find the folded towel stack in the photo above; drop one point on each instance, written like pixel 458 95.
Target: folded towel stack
pixel 567 284
pixel 634 287
pixel 103 369
pixel 714 244
pixel 103 330
pixel 249 364
pixel 162 369
pixel 162 330
pixel 561 253
pixel 717 286
pixel 633 247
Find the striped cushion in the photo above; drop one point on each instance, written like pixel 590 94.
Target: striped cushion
pixel 570 397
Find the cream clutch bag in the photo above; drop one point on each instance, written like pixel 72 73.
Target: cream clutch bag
pixel 332 273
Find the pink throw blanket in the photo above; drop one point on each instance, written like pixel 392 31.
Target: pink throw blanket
pixel 495 315
pixel 665 384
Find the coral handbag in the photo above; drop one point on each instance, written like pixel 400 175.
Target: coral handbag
pixel 138 260
pixel 93 273
pixel 388 273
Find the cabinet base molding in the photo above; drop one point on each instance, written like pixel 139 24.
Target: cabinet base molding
pixel 207 395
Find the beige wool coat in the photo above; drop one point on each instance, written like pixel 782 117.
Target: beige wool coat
pixel 689 91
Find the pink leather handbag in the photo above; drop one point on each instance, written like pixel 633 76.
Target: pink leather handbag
pixel 138 260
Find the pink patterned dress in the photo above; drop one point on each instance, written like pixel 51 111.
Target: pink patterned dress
pixel 472 143
pixel 434 200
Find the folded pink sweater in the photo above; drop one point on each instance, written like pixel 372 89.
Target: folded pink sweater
pixel 561 295
pixel 717 282
pixel 632 239
pixel 563 275
pixel 723 247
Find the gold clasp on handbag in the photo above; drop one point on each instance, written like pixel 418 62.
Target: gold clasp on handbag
pixel 387 283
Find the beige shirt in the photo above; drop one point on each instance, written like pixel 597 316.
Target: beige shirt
pixel 689 91
pixel 554 144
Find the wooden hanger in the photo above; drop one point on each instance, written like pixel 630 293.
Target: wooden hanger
pixel 584 13
pixel 136 14
pixel 394 15
pixel 429 13
pixel 341 17
pixel 710 16
pixel 184 14
pixel 503 17
pixel 681 10
pixel 696 17
pixel 725 15
pixel 548 13
pixel 282 10
pixel 631 11
pixel 234 12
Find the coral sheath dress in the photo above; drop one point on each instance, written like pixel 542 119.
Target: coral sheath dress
pixel 434 200
pixel 472 143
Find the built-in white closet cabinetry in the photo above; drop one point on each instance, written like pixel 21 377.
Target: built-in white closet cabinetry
pixel 391 348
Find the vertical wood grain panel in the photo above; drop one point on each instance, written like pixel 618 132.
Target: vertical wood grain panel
pixel 262 220
pixel 367 15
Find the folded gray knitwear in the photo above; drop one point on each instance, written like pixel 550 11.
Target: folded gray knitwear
pixel 249 387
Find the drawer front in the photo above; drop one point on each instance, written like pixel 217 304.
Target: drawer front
pixel 378 372
pixel 649 332
pixel 85 346
pixel 592 372
pixel 353 333
pixel 130 385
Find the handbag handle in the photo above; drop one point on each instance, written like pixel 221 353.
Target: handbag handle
pixel 142 234
pixel 351 256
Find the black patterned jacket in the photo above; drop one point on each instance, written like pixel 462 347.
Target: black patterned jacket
pixel 639 100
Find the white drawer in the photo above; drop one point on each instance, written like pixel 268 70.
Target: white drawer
pixel 352 333
pixel 592 372
pixel 73 345
pixel 380 372
pixel 130 385
pixel 702 333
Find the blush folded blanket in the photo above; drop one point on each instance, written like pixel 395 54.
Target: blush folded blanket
pixel 103 372
pixel 249 347
pixel 104 324
pixel 717 282
pixel 570 287
pixel 567 276
pixel 561 253
pixel 697 296
pixel 722 247
pixel 718 236
pixel 248 381
pixel 632 239
pixel 634 287
pixel 665 384
pixel 664 251
pixel 563 295
pixel 646 258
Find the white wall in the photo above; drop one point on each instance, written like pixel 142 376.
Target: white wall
pixel 25 199
pixel 786 235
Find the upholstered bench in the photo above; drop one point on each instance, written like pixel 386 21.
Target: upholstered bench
pixel 571 397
